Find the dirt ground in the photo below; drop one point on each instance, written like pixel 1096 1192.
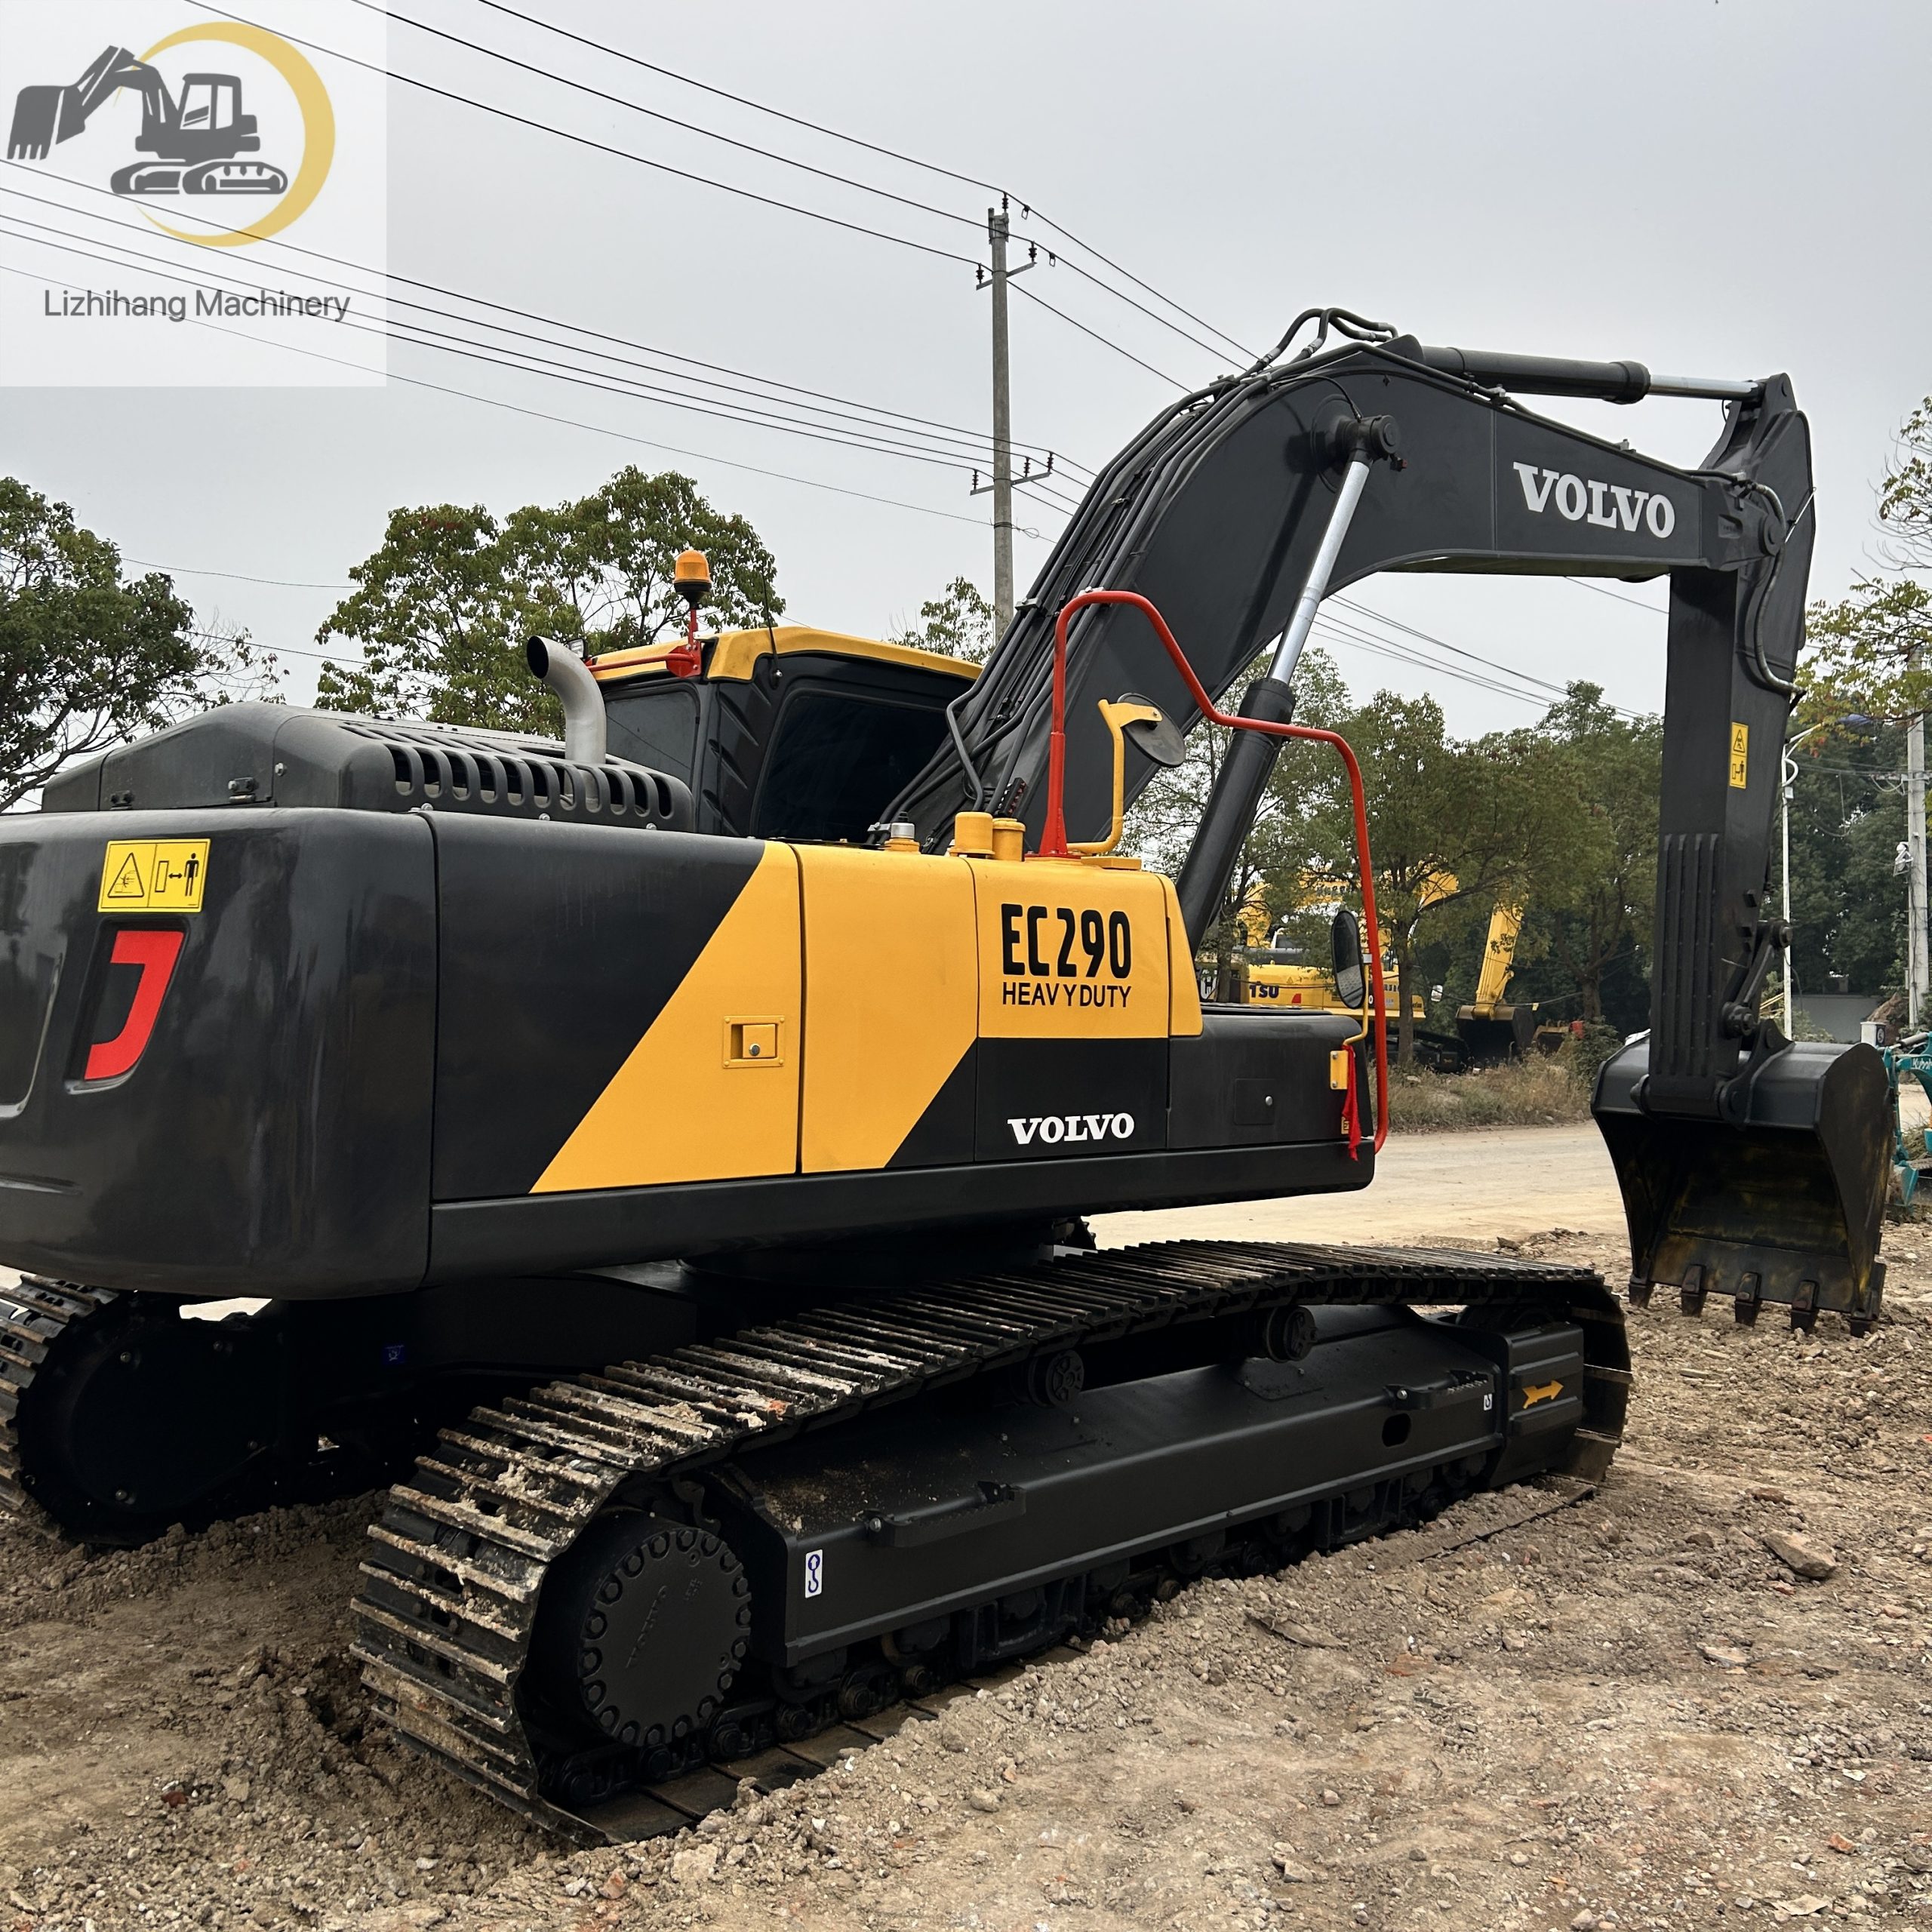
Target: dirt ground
pixel 1465 1187
pixel 1629 1713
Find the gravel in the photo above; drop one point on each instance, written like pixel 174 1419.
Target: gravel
pixel 1643 1710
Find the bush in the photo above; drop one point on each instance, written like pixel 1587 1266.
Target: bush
pixel 1584 1053
pixel 1535 1092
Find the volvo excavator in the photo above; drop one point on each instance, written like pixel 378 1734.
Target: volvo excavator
pixel 672 1164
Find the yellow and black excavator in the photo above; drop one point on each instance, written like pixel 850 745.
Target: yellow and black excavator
pixel 195 142
pixel 667 1154
pixel 1280 974
pixel 1493 1028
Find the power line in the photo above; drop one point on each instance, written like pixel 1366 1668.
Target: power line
pixel 891 418
pixel 523 364
pixel 1359 641
pixel 744 147
pixel 240 577
pixel 600 147
pixel 1353 636
pixel 353 658
pixel 652 113
pixel 892 154
pixel 685 174
pixel 1443 644
pixel 573 423
pixel 1041 300
pixel 1636 603
pixel 1494 664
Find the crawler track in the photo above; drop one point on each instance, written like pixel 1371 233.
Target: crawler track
pixel 36 1318
pixel 448 1605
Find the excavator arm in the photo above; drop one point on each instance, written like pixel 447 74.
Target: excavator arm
pixel 45 116
pixel 1499 958
pixel 1747 1165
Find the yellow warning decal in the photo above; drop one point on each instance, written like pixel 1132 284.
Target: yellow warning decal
pixel 1740 751
pixel 1541 1392
pixel 154 874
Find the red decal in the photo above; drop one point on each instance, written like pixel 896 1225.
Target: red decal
pixel 154 953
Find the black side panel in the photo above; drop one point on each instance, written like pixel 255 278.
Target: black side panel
pixel 273 1136
pixel 603 1226
pixel 560 945
pixel 943 1135
pixel 1048 1100
pixel 1253 1078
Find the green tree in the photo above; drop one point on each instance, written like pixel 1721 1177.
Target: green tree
pixel 88 660
pixel 1848 901
pixel 958 622
pixel 1905 497
pixel 1870 652
pixel 441 609
pixel 1164 819
pixel 1453 826
pixel 1590 891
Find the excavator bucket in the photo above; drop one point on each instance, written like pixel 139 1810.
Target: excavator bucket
pixel 1782 1204
pixel 1504 1034
pixel 40 117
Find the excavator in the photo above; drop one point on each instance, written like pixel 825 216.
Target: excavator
pixel 1281 973
pixel 194 141
pixel 1493 1028
pixel 671 1165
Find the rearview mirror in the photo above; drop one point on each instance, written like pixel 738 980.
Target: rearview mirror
pixel 1157 738
pixel 1345 946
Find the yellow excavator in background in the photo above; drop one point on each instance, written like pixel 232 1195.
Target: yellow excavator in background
pixel 1279 974
pixel 1494 1029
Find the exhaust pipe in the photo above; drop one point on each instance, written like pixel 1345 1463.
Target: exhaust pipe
pixel 585 735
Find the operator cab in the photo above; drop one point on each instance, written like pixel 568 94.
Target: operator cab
pixel 786 732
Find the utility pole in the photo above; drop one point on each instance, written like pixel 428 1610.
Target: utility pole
pixel 1915 834
pixel 996 236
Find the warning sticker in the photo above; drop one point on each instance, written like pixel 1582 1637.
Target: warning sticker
pixel 154 874
pixel 1740 748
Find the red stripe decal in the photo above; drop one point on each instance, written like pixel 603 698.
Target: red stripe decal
pixel 154 953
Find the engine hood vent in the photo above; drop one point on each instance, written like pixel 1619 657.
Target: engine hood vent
pixel 247 754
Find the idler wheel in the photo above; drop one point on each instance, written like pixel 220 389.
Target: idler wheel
pixel 642 1626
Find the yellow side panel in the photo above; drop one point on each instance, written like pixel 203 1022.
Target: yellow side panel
pixel 1184 994
pixel 891 997
pixel 1068 951
pixel 693 1101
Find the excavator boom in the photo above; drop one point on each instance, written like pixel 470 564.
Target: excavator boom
pixel 1224 513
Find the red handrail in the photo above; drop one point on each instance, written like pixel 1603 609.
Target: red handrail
pixel 1052 841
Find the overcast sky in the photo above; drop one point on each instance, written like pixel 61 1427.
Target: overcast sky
pixel 1727 189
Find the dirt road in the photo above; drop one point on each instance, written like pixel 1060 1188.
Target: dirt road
pixel 1512 1181
pixel 1630 1713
